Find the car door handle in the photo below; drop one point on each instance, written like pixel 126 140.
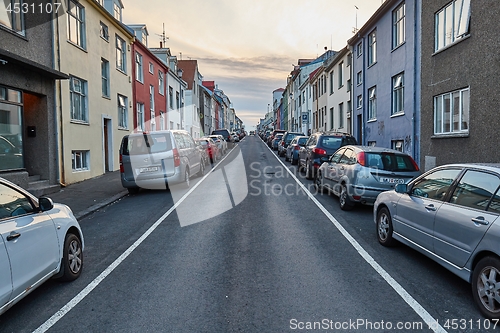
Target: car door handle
pixel 13 235
pixel 430 208
pixel 480 220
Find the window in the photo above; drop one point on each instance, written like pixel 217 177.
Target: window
pixel 104 32
pixel 171 97
pixel 140 116
pixel 475 190
pixel 151 68
pixel 120 55
pixel 78 95
pixel 171 125
pixel 452 23
pixel 436 184
pixel 117 12
pixel 14 203
pixel 397 145
pixel 340 74
pixel 372 48
pixel 177 100
pixel 139 75
pixel 80 160
pixel 331 82
pixel 372 103
pixel 398 26
pixel 359 49
pixel 348 85
pixel 451 112
pixel 161 83
pixel 151 97
pixel 398 94
pixel 105 77
pixel 122 112
pixel 360 101
pixel 76 23
pixel 13 20
pixel 11 127
pixel 372 143
pixel 341 115
pixel 359 78
pixel 162 120
pixel 331 118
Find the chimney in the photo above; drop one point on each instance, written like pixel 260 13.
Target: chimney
pixel 161 45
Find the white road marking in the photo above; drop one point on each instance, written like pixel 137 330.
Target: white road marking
pixel 92 285
pixel 431 322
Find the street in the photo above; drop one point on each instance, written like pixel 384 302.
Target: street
pixel 246 249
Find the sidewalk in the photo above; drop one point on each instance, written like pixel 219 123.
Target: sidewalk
pixel 89 195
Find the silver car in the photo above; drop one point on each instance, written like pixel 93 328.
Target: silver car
pixel 450 214
pixel 38 240
pixel 158 159
pixel 358 174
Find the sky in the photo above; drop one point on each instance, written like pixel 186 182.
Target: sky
pixel 248 47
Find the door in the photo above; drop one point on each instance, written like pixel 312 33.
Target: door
pixel 5 278
pixel 30 240
pixel 106 129
pixel 331 178
pixel 416 212
pixel 461 224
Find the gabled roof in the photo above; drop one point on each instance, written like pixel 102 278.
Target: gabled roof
pixel 313 73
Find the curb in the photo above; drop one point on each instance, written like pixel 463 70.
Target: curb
pixel 84 213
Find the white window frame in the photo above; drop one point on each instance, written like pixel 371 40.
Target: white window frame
pixel 80 160
pixel 340 74
pixel 151 68
pixel 139 73
pixel 78 92
pixel 104 31
pixel 122 112
pixel 372 48
pixel 140 116
pixel 121 61
pixel 359 49
pixel 398 25
pixel 359 100
pixel 372 103
pixel 161 83
pixel 105 78
pixel 151 97
pixel 451 23
pixel 447 107
pixel 398 95
pixel 359 78
pixel 341 115
pixel 76 24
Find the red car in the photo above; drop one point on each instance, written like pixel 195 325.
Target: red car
pixel 211 148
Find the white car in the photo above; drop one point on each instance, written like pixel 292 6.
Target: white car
pixel 38 240
pixel 221 143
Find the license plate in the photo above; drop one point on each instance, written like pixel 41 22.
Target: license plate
pixel 148 169
pixel 391 180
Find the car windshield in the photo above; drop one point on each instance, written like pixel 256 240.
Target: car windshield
pixel 302 141
pixel 390 162
pixel 330 142
pixel 146 144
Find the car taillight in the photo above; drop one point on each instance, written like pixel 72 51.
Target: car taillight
pixel 282 143
pixel 297 148
pixel 122 170
pixel 319 151
pixel 177 158
pixel 361 157
pixel 414 164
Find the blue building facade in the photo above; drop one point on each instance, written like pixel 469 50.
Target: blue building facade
pixel 386 78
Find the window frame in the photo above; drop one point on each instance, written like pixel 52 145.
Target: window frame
pixel 139 71
pixel 121 54
pixel 83 97
pixel 105 80
pixel 122 111
pixel 372 103
pixel 442 36
pixel 79 18
pixel 399 25
pixel 463 112
pixel 84 160
pixel 372 48
pixel 104 31
pixel 16 22
pixel 140 116
pixel 398 94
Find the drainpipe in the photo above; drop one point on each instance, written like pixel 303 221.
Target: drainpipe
pixel 416 78
pixel 59 134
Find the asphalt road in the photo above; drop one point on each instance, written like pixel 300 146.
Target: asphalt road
pixel 246 249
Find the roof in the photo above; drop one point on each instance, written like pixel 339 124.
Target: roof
pixel 189 69
pixel 31 65
pixel 384 7
pixel 314 72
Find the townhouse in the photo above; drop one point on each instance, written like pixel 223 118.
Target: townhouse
pixel 149 74
pixel 28 122
pixel 193 78
pixel 94 106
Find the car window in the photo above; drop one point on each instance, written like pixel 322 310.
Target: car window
pixel 188 141
pixel 390 162
pixel 495 203
pixel 302 141
pixel 337 155
pixel 435 185
pixel 475 189
pixel 346 157
pixel 311 141
pixel 351 156
pixel 13 203
pixel 331 142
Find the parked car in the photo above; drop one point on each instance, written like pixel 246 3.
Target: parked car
pixel 450 214
pixel 220 142
pixel 292 151
pixel 236 137
pixel 39 240
pixel 158 159
pixel 210 148
pixel 285 141
pixel 358 174
pixel 270 137
pixel 276 140
pixel 226 135
pixel 318 149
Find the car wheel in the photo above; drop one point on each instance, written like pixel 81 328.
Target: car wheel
pixel 345 202
pixel 202 168
pixel 133 190
pixel 72 262
pixel 318 182
pixel 486 285
pixel 384 227
pixel 309 174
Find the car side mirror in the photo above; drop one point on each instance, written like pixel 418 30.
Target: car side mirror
pixel 45 204
pixel 401 188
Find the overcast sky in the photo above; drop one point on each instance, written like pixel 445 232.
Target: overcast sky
pixel 248 47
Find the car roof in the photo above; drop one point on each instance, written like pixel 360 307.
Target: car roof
pixel 495 167
pixel 375 149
